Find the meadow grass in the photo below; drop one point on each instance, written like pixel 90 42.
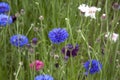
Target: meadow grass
pixel 88 33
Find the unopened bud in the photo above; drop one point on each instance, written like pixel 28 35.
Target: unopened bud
pixel 34 41
pixel 17 14
pixel 103 17
pixel 22 12
pixel 41 18
pixel 116 6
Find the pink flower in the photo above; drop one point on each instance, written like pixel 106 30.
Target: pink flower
pixel 37 65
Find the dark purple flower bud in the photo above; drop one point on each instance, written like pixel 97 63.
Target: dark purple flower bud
pixel 34 41
pixel 14 18
pixel 70 50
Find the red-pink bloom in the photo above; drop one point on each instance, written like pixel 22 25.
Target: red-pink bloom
pixel 37 65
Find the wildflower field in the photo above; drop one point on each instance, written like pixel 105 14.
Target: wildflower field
pixel 59 40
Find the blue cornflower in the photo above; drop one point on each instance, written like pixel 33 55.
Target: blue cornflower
pixel 4 7
pixel 19 40
pixel 58 35
pixel 44 77
pixel 92 66
pixel 5 19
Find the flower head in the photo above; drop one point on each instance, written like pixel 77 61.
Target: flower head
pixel 19 40
pixel 92 66
pixel 58 35
pixel 37 65
pixel 113 36
pixel 83 8
pixel 4 7
pixel 44 77
pixel 89 11
pixel 70 50
pixel 4 20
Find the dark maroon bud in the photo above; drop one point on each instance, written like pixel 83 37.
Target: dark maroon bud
pixel 57 65
pixel 14 18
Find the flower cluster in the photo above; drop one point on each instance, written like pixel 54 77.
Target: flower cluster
pixel 58 35
pixel 19 40
pixel 4 18
pixel 89 11
pixel 44 77
pixel 92 66
pixel 70 50
pixel 112 36
pixel 37 65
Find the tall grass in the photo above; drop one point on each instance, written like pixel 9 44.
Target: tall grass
pixel 87 32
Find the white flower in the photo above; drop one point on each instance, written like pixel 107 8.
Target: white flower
pixel 83 7
pixel 89 11
pixel 112 36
